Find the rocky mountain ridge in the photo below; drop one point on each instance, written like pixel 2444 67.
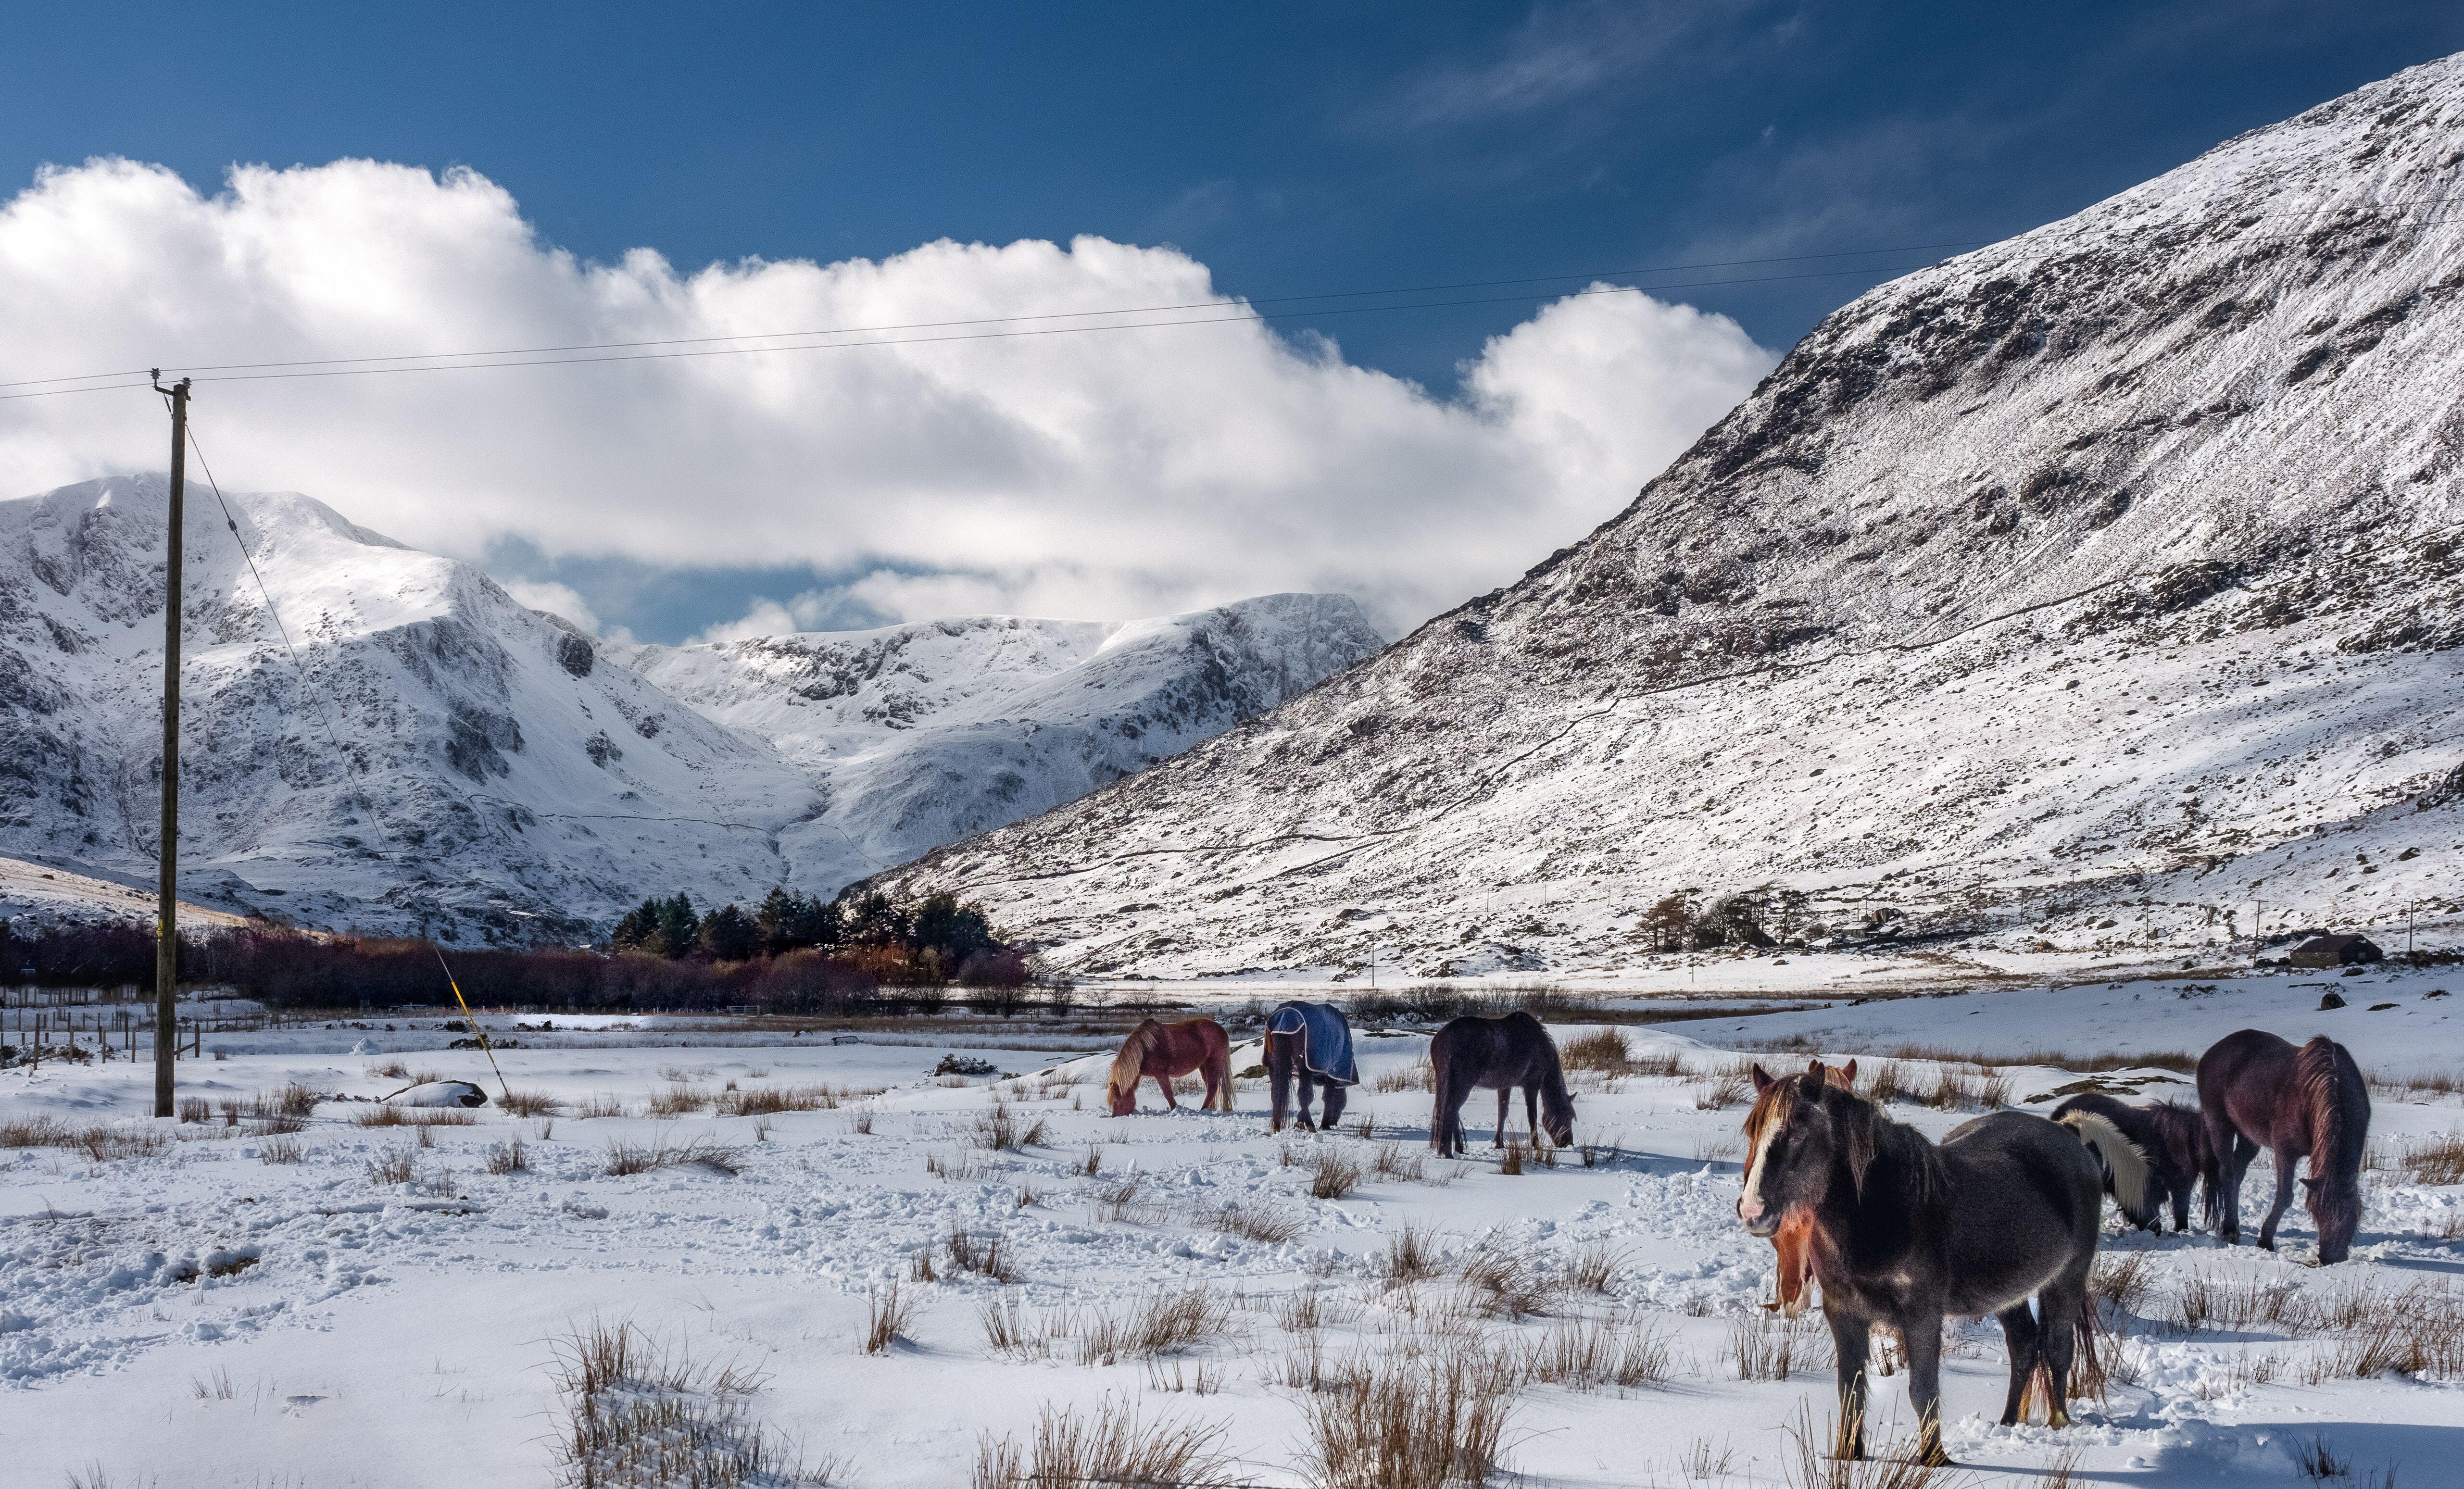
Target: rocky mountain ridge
pixel 2112 565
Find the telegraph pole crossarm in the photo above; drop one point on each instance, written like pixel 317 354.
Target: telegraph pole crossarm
pixel 167 920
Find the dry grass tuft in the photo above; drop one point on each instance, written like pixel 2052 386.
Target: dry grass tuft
pixel 1594 1268
pixel 508 1157
pixel 1720 1094
pixel 281 1149
pixel 385 1115
pixel 529 1104
pixel 770 1101
pixel 1411 1256
pixel 603 1104
pixel 1417 1421
pixel 629 1159
pixel 984 1257
pixel 2122 1279
pixel 1505 1285
pixel 677 1101
pixel 1268 1227
pixel 393 1166
pixel 1168 1321
pixel 1417 1075
pixel 886 1313
pixel 1597 1354
pixel 1334 1174
pixel 1811 1465
pixel 1395 1161
pixel 102 1142
pixel 638 1414
pixel 1603 1049
pixel 1767 1346
pixel 1112 1446
pixel 2436 1160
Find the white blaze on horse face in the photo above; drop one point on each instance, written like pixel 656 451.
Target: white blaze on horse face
pixel 1750 1204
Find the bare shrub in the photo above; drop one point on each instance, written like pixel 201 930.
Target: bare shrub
pixel 1421 1421
pixel 508 1157
pixel 529 1104
pixel 626 1158
pixel 192 1108
pixel 1112 1446
pixel 1334 1174
pixel 886 1313
pixel 861 1121
pixel 295 1100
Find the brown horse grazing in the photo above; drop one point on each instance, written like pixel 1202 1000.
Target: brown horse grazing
pixel 2172 1137
pixel 1796 1232
pixel 1908 1233
pixel 1165 1050
pixel 1501 1053
pixel 2258 1091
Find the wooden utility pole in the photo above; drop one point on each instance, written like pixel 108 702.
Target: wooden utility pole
pixel 167 919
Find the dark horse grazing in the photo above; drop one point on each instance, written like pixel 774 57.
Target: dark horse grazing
pixel 1906 1232
pixel 1501 1053
pixel 1165 1050
pixel 2172 1137
pixel 2258 1091
pixel 1313 1042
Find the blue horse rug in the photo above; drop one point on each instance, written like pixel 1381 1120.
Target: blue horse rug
pixel 1325 1040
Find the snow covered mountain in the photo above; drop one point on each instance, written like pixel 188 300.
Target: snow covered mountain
pixel 2100 583
pixel 922 733
pixel 454 760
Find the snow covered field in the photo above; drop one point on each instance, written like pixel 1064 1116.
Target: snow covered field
pixel 202 1315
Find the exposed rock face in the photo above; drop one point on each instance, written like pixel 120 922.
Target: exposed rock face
pixel 2114 562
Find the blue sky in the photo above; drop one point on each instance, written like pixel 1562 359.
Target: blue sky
pixel 1288 148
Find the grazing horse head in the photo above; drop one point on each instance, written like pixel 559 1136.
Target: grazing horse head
pixel 1801 1132
pixel 1557 1113
pixel 1129 1067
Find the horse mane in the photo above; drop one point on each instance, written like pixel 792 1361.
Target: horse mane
pixel 1131 1063
pixel 2125 1165
pixel 2336 1141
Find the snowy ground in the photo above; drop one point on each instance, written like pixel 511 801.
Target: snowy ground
pixel 202 1317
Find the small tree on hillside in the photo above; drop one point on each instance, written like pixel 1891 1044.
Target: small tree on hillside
pixel 679 927
pixel 956 931
pixel 789 921
pixel 639 927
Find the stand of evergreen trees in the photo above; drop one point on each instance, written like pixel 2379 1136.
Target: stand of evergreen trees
pixel 931 940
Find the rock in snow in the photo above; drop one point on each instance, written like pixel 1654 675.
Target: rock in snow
pixel 510 778
pixel 2113 565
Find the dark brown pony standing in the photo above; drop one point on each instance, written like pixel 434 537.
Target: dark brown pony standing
pixel 2174 1140
pixel 1501 1053
pixel 1165 1050
pixel 1906 1232
pixel 2258 1091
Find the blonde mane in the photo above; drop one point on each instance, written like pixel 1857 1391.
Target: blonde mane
pixel 1131 1062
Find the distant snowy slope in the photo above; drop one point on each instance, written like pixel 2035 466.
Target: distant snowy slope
pixel 505 780
pixel 2113 565
pixel 918 735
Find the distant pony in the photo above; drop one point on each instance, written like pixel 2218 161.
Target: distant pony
pixel 1313 1042
pixel 2258 1091
pixel 1499 1053
pixel 1796 1227
pixel 1907 1233
pixel 1165 1050
pixel 2173 1140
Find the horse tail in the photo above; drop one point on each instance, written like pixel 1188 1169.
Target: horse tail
pixel 2089 1369
pixel 2125 1166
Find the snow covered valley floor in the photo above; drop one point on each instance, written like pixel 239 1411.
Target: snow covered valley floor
pixel 384 1307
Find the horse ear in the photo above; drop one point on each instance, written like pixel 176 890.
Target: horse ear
pixel 1813 1067
pixel 1848 1072
pixel 1762 1080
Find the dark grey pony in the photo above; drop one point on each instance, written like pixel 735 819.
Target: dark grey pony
pixel 2258 1091
pixel 2173 1137
pixel 1908 1233
pixel 1501 1053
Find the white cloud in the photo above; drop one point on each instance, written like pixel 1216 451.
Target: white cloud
pixel 1109 473
pixel 558 598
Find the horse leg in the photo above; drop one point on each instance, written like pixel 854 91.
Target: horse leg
pixel 2284 1162
pixel 2060 1308
pixel 1850 1339
pixel 1300 1084
pixel 1532 1109
pixel 1279 1089
pixel 1503 1093
pixel 1445 1113
pixel 2019 1332
pixel 2234 1153
pixel 1334 1099
pixel 1171 1102
pixel 2181 1205
pixel 1923 1336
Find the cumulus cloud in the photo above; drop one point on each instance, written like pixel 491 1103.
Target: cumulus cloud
pixel 557 599
pixel 1108 473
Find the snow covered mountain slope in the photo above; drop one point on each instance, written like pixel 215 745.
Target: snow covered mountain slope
pixel 2113 565
pixel 502 781
pixel 922 733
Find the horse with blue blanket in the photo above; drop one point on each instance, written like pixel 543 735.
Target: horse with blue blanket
pixel 1313 1042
